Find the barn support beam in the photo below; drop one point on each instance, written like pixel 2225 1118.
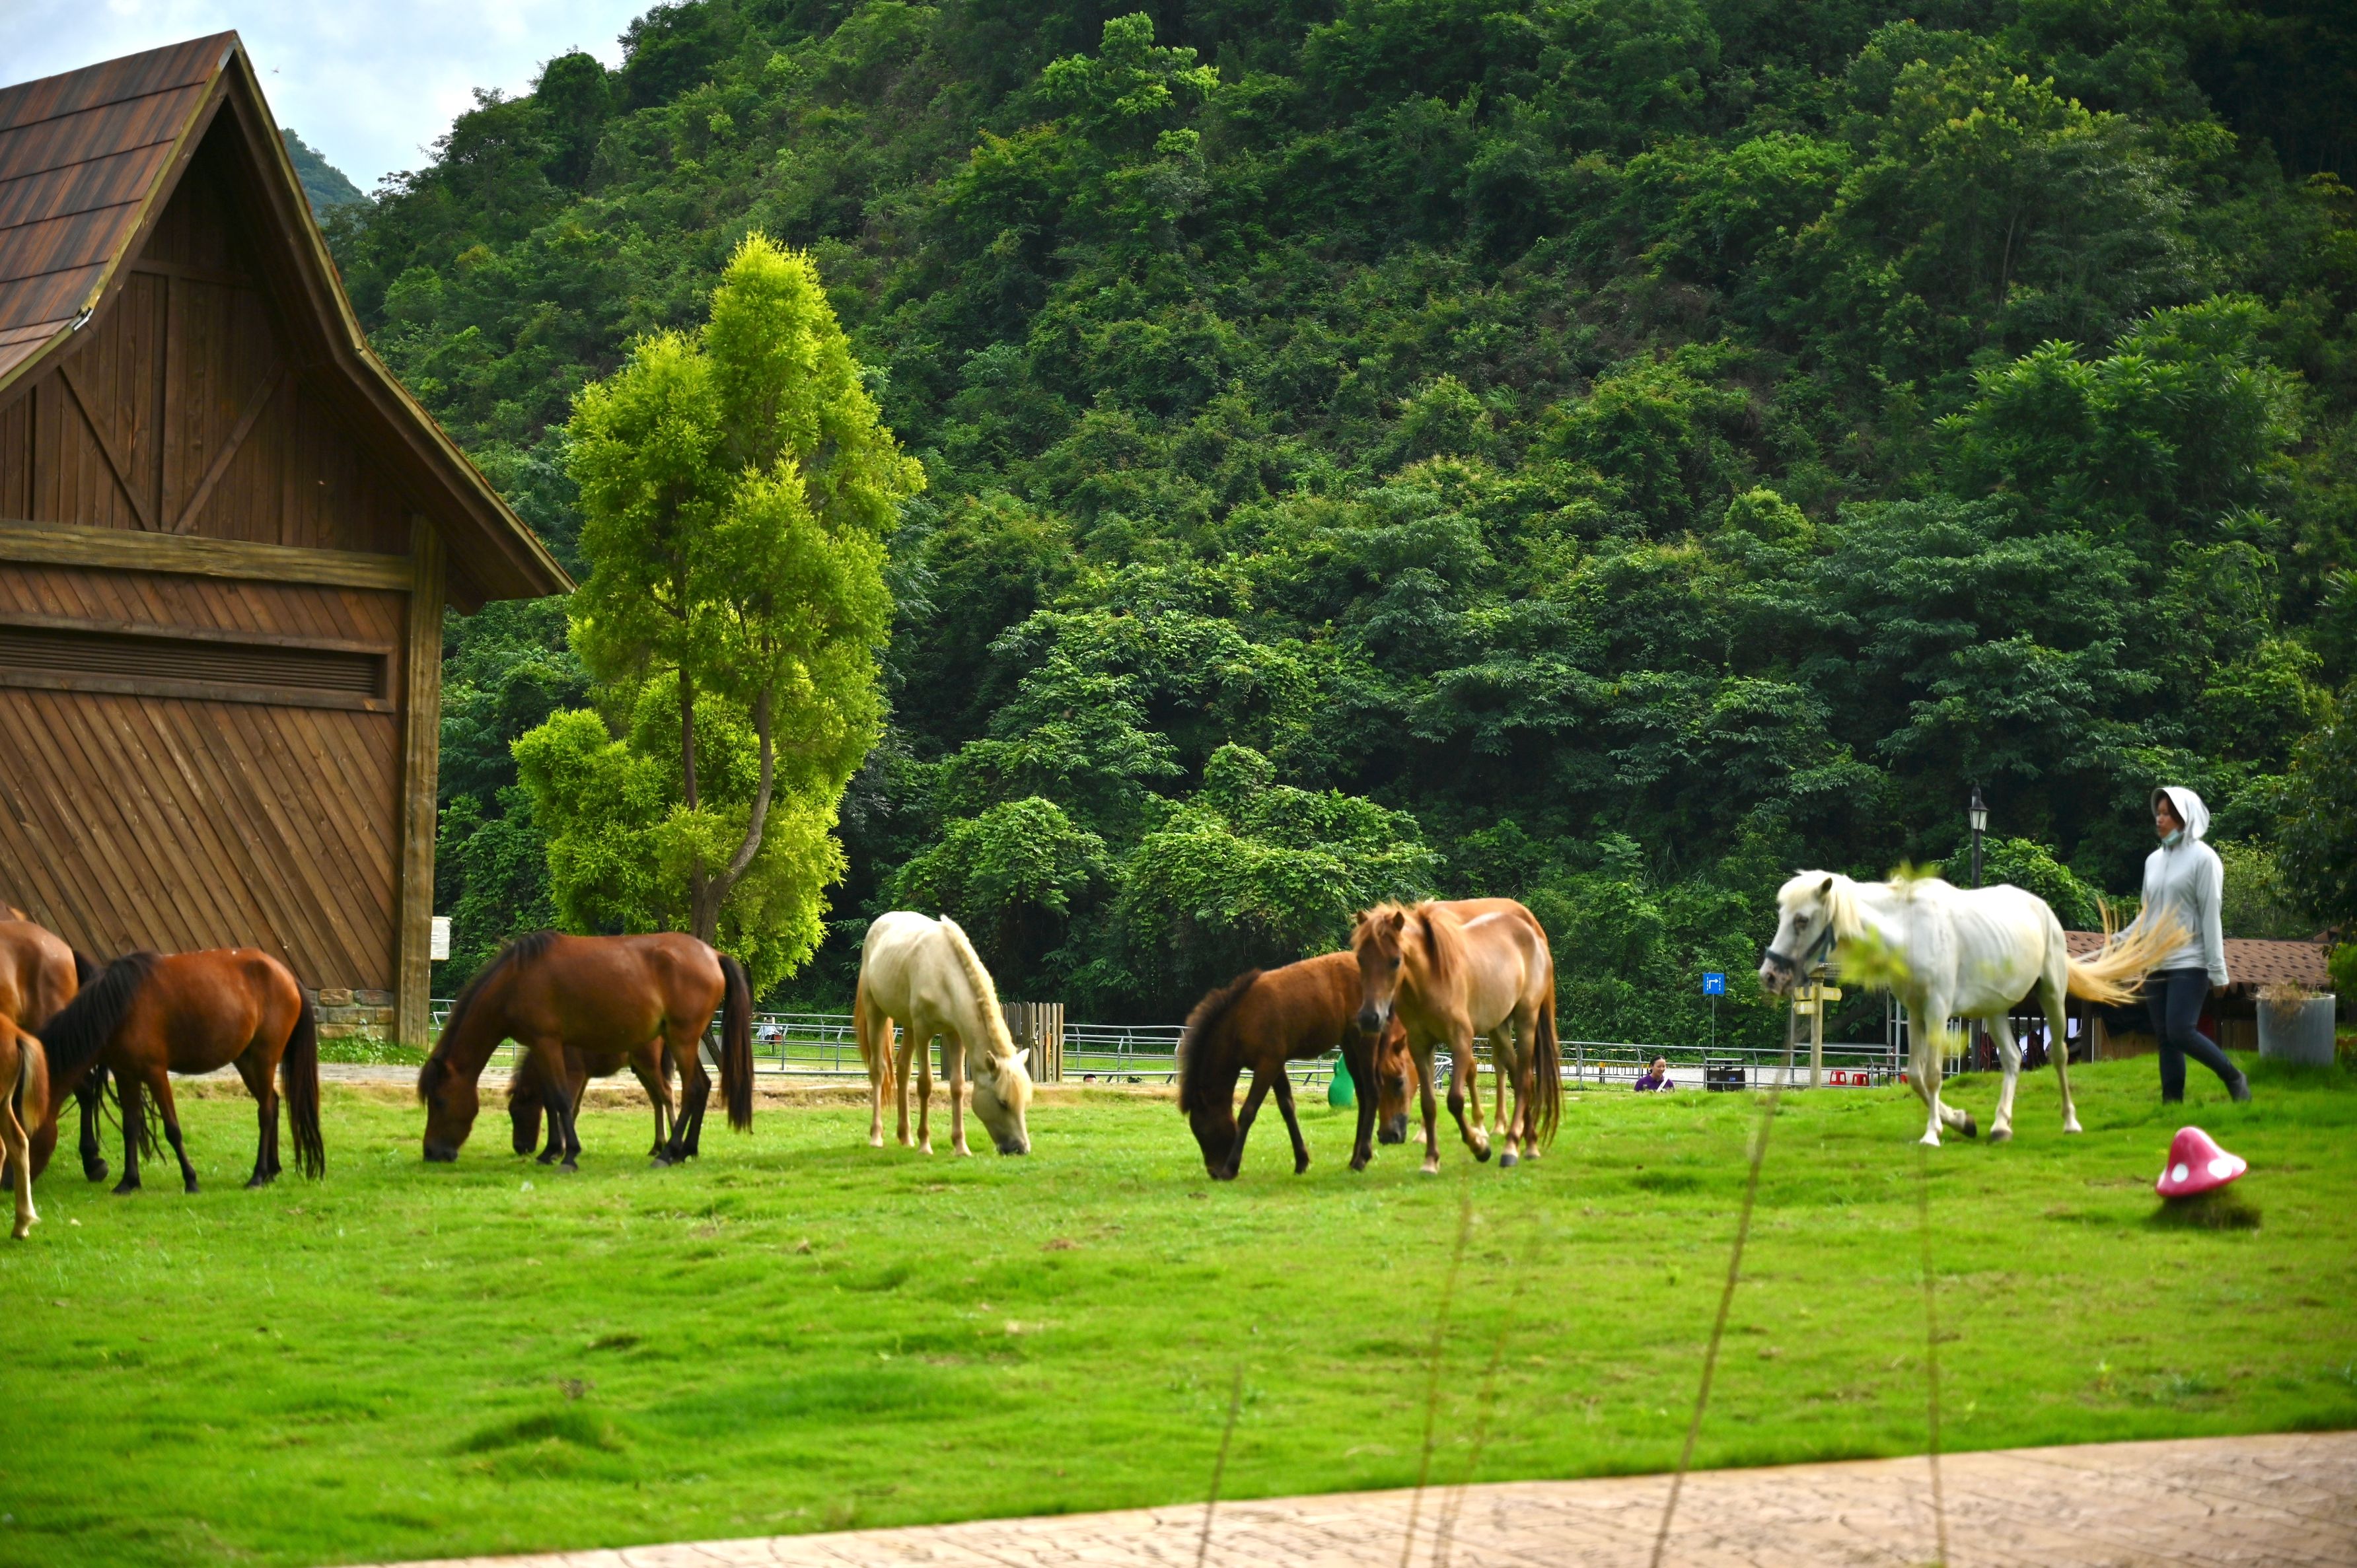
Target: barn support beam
pixel 421 746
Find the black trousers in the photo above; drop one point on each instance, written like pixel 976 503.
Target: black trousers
pixel 2174 998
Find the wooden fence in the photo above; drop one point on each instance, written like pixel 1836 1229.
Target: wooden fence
pixel 1038 1026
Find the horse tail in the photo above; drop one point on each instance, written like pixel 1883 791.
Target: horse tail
pixel 298 1079
pixel 737 1044
pixel 1546 1061
pixel 2112 976
pixel 1196 1089
pixel 986 994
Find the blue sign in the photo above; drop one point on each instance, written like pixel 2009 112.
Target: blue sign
pixel 1713 984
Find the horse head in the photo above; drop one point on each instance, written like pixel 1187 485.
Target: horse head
pixel 1380 943
pixel 1395 1082
pixel 1002 1098
pixel 1810 918
pixel 451 1100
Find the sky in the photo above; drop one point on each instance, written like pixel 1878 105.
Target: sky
pixel 370 83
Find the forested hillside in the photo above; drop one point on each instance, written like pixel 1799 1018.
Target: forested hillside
pixel 1607 453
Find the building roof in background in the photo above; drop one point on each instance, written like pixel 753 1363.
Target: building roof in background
pixel 2251 963
pixel 88 161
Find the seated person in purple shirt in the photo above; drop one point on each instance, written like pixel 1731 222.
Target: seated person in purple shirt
pixel 1655 1078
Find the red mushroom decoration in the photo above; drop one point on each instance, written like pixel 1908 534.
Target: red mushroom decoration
pixel 2196 1165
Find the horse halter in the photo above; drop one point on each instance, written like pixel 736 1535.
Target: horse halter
pixel 1786 965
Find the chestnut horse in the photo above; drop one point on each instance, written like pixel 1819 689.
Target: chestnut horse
pixel 39 974
pixel 24 1091
pixel 1448 979
pixel 1263 1019
pixel 151 1015
pixel 528 1088
pixel 548 992
pixel 1396 1074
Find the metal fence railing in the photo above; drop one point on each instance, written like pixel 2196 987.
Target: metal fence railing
pixel 822 1045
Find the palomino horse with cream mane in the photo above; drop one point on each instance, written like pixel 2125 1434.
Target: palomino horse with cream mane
pixel 550 992
pixel 1953 953
pixel 1263 1019
pixel 924 973
pixel 1448 978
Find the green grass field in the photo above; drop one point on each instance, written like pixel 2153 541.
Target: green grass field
pixel 802 1333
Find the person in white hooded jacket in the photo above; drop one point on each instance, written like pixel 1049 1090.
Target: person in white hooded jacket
pixel 2185 882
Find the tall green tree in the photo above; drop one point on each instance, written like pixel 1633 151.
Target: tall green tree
pixel 737 487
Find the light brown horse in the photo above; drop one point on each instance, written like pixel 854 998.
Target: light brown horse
pixel 528 1088
pixel 595 994
pixel 38 975
pixel 1395 1075
pixel 23 1091
pixel 1261 1020
pixel 151 1015
pixel 1448 979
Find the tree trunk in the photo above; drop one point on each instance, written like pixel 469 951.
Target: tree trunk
pixel 698 884
pixel 708 894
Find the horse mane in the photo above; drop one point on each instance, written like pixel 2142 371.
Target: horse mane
pixel 986 994
pixel 1444 941
pixel 1841 900
pixel 79 1031
pixel 1210 1012
pixel 522 950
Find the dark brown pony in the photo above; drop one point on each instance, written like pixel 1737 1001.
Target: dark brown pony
pixel 38 975
pixel 1261 1020
pixel 151 1015
pixel 528 1088
pixel 594 994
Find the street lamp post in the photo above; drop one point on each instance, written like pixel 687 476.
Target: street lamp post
pixel 1977 815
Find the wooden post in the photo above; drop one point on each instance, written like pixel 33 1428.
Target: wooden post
pixel 421 758
pixel 1039 1027
pixel 1817 1038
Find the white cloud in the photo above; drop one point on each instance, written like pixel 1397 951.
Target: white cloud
pixel 370 85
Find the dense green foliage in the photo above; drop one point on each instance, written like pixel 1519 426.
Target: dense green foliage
pixel 324 184
pixel 736 489
pixel 797 1332
pixel 1610 455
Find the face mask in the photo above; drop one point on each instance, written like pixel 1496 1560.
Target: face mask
pixel 2173 838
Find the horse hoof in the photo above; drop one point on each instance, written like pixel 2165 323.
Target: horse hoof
pixel 660 1163
pixel 2001 1135
pixel 253 1185
pixel 2071 1125
pixel 1971 1129
pixel 188 1189
pixel 1431 1167
pixel 1507 1160
pixel 94 1170
pixel 1481 1153
pixel 126 1186
pixel 1358 1165
pixel 569 1166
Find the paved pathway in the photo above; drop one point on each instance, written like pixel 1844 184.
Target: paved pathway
pixel 2250 1503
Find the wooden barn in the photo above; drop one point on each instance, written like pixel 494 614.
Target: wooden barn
pixel 226 536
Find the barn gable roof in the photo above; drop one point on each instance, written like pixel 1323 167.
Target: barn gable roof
pixel 88 160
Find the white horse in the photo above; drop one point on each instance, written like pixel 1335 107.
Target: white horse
pixel 1952 952
pixel 923 972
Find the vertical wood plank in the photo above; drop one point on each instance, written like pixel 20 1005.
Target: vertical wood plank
pixel 421 711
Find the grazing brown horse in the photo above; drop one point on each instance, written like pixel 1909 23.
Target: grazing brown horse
pixel 1263 1019
pixel 151 1015
pixel 23 1091
pixel 528 1088
pixel 1448 979
pixel 597 995
pixel 38 975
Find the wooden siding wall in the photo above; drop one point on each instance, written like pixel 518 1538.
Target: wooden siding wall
pixel 161 816
pixel 167 822
pixel 180 414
